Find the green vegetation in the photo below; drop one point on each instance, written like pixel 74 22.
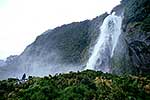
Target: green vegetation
pixel 85 85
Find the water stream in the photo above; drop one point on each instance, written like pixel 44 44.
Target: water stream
pixel 106 43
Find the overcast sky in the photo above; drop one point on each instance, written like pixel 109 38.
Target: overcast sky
pixel 22 20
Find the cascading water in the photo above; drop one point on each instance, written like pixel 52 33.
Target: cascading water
pixel 104 48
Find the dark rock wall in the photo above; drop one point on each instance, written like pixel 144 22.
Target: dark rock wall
pixel 135 57
pixel 137 31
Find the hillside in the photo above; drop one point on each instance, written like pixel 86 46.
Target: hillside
pixel 58 50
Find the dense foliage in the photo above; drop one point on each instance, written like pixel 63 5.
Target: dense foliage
pixel 86 85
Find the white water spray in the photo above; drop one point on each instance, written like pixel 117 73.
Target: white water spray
pixel 107 40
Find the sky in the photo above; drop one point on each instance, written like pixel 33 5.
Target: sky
pixel 21 21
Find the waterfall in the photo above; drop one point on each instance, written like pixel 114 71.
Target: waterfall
pixel 106 43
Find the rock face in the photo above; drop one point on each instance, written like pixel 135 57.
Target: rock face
pixel 134 55
pixel 137 31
